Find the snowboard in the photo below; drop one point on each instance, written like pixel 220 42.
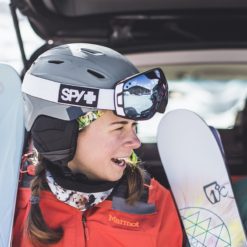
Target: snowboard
pixel 194 163
pixel 11 142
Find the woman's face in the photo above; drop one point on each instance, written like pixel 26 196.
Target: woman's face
pixel 103 146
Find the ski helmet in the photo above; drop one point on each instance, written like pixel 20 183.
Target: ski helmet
pixel 84 65
pixel 53 125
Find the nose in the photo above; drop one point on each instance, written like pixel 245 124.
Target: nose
pixel 133 141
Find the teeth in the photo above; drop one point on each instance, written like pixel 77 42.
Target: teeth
pixel 125 159
pixel 119 161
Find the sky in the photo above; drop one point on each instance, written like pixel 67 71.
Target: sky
pixel 9 49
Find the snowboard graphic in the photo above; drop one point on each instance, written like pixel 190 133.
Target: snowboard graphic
pixel 195 168
pixel 11 142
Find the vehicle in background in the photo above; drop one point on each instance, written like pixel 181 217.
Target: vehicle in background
pixel 200 45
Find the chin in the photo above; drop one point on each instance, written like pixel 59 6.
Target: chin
pixel 115 178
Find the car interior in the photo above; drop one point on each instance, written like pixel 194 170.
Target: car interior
pixel 201 47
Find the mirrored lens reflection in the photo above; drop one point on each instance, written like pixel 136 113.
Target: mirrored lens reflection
pixel 140 95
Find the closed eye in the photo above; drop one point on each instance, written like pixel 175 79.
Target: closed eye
pixel 121 124
pixel 119 128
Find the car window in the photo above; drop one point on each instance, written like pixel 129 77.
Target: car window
pixel 217 92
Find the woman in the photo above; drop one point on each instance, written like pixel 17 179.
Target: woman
pixel 82 102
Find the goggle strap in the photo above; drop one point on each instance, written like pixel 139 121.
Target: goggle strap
pixel 75 95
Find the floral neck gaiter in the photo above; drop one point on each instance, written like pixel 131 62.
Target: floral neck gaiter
pixel 76 199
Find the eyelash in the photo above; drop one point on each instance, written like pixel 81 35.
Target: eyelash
pixel 120 128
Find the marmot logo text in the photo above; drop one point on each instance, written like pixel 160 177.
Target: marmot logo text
pixel 123 222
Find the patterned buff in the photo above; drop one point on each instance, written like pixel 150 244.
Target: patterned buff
pixel 76 199
pixel 88 118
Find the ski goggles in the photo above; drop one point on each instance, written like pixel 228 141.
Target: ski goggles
pixel 137 97
pixel 140 96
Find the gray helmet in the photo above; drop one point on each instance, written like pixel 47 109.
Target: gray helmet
pixel 84 65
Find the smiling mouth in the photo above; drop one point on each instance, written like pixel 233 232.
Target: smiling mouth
pixel 119 162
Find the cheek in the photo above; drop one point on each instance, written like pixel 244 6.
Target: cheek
pixel 96 146
pixel 112 147
pixel 85 146
pixel 106 149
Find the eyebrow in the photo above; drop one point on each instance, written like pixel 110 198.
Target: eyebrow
pixel 123 122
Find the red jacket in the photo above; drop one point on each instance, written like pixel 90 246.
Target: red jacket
pixel 156 224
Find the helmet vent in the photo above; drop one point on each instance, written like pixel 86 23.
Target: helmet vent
pixel 55 61
pixel 94 73
pixel 92 52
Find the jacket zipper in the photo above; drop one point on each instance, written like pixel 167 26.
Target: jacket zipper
pixel 84 222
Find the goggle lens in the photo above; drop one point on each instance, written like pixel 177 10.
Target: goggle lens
pixel 144 94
